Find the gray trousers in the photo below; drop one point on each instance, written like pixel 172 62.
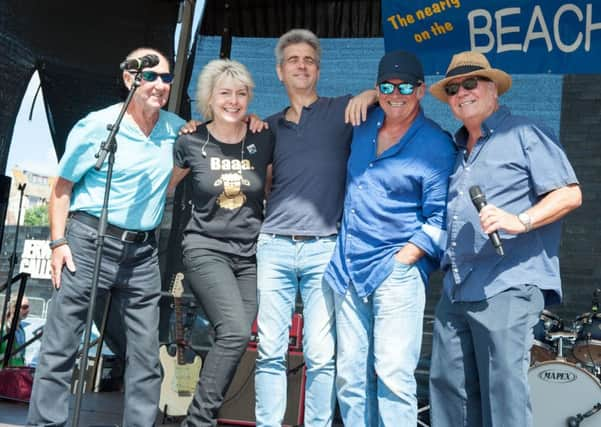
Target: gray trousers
pixel 480 360
pixel 131 270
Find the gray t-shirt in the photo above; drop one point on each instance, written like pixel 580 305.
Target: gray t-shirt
pixel 309 170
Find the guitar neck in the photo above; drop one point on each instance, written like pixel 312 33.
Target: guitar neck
pixel 179 330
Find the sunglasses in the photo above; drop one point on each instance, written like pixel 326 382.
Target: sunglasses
pixel 151 76
pixel 468 84
pixel 24 306
pixel 387 88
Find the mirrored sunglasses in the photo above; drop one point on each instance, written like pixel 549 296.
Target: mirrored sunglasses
pixel 151 76
pixel 386 88
pixel 468 84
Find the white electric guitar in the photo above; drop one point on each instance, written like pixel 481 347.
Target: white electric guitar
pixel 179 377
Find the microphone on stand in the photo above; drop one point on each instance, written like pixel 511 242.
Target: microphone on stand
pixel 479 201
pixel 146 61
pixel 595 306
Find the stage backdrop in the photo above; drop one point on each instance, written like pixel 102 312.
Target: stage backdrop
pixel 519 36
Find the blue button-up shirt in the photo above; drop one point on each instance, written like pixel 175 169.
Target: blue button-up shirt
pixel 391 199
pixel 515 162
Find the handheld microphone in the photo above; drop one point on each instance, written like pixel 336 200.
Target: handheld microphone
pixel 145 61
pixel 479 201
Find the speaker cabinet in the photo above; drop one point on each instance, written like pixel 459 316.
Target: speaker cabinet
pixel 239 404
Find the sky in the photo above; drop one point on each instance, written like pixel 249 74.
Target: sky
pixel 31 147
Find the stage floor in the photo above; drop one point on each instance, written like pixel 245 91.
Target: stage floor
pixel 97 409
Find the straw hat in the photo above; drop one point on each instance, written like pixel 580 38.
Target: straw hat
pixel 471 63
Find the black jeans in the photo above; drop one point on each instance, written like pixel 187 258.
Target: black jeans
pixel 226 287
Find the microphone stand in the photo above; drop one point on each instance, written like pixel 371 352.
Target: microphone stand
pixel 13 260
pixel 107 147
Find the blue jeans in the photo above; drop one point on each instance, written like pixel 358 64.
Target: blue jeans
pixel 480 359
pixel 283 267
pixel 379 340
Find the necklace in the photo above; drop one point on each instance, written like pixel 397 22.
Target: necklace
pixel 203 150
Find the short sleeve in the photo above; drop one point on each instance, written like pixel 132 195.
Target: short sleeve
pixel 83 142
pixel 548 163
pixel 180 154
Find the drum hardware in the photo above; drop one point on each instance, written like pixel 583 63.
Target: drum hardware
pixel 560 336
pixel 575 421
pixel 587 347
pixel 542 348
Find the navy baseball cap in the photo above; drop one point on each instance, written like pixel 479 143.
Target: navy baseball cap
pixel 400 65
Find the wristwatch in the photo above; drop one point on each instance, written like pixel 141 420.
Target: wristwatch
pixel 526 221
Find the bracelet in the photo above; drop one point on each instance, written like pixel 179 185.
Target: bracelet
pixel 58 242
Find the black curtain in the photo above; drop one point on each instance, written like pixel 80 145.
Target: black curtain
pixel 76 47
pixel 272 18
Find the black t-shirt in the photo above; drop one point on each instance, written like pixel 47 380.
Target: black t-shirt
pixel 228 184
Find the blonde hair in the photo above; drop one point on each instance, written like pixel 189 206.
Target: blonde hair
pixel 12 305
pixel 212 74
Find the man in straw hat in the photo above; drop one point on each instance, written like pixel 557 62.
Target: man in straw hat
pixel 490 302
pixel 391 239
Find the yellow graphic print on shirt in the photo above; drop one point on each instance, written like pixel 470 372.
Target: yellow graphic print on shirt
pixel 232 196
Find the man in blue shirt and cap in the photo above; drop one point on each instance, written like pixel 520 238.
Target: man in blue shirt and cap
pixel 390 240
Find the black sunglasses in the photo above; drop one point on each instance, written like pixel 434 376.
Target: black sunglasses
pixel 468 84
pixel 404 88
pixel 151 76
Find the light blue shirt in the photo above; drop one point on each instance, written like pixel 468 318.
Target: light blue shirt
pixel 515 163
pixel 141 172
pixel 391 199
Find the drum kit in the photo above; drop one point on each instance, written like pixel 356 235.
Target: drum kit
pixel 565 370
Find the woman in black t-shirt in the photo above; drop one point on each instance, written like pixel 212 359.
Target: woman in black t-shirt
pixel 228 165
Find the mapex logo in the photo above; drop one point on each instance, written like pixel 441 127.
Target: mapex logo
pixel 557 376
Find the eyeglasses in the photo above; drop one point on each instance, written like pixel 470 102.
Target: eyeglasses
pixel 468 84
pixel 24 306
pixel 387 88
pixel 151 76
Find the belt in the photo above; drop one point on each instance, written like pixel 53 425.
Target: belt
pixel 129 236
pixel 299 238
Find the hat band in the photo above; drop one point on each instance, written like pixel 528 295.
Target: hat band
pixel 464 69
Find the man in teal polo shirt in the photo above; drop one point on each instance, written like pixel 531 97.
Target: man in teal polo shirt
pixel 129 266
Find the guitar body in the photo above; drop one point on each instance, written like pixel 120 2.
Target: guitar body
pixel 179 383
pixel 179 378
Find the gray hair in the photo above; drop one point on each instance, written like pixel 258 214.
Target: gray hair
pixel 212 74
pixel 297 36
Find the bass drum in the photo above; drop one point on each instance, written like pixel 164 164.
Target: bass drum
pixel 560 390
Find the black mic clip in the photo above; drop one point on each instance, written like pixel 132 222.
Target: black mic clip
pixel 595 306
pixel 146 61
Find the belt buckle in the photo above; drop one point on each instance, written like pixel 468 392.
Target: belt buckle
pixel 133 236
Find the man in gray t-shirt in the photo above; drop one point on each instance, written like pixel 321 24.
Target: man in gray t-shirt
pixel 299 232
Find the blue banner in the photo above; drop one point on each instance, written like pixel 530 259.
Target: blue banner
pixel 527 36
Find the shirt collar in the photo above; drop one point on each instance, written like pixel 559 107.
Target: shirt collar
pixel 281 116
pixel 488 126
